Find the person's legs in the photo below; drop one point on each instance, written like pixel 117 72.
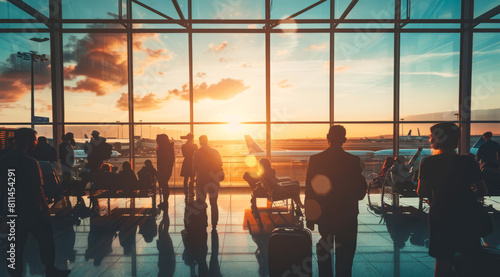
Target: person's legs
pixel 42 232
pixel 214 195
pixel 345 247
pixel 323 253
pixel 186 189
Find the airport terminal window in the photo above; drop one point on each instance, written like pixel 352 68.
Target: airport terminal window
pixel 229 74
pixel 485 101
pixel 95 77
pixel 229 77
pixel 363 76
pixel 284 8
pixel 428 9
pixel 16 58
pixel 161 78
pixel 300 77
pixel 429 76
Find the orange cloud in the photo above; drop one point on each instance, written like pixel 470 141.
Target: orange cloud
pixel 219 47
pixel 317 47
pixel 147 102
pixel 326 66
pixel 201 74
pixel 284 84
pixel 101 59
pixel 15 84
pixel 225 89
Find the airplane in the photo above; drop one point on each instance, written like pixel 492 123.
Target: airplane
pixel 81 155
pixel 296 155
pixel 425 152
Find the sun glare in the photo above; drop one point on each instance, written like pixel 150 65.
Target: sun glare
pixel 234 126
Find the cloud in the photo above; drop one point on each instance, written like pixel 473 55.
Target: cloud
pixel 219 47
pixel 223 60
pixel 284 84
pixel 201 74
pixel 225 89
pixel 283 52
pixel 145 103
pixel 15 82
pixel 99 61
pixel 42 106
pixel 326 66
pixel 252 26
pixel 317 47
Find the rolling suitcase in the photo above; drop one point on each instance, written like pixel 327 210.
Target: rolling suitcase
pixel 290 252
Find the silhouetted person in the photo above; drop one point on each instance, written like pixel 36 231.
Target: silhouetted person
pixel 187 151
pixel 127 178
pixel 94 151
pixel 334 185
pixel 446 179
pixel 165 161
pixel 207 170
pixel 147 174
pixel 488 153
pixel 44 151
pixel 268 175
pixel 9 145
pixel 105 179
pixel 31 208
pixel 67 154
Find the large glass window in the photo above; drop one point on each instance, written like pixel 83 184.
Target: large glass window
pixel 95 77
pixel 299 77
pixel 429 76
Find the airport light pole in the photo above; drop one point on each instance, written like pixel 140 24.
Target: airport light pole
pixel 402 126
pixel 141 127
pixel 33 57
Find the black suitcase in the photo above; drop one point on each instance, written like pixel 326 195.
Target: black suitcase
pixel 290 252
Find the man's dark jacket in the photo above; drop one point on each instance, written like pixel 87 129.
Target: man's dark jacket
pixel 333 200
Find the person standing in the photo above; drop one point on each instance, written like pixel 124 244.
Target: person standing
pixel 334 185
pixel 94 151
pixel 44 151
pixel 188 150
pixel 165 162
pixel 488 153
pixel 208 173
pixel 446 179
pixel 67 154
pixel 31 209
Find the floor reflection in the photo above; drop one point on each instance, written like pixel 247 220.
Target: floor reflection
pixel 181 244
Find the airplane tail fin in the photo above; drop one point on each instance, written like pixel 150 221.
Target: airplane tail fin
pixel 253 147
pixel 418 130
pixel 86 136
pixel 479 142
pixel 409 133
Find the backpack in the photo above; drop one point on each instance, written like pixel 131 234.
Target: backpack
pixel 107 150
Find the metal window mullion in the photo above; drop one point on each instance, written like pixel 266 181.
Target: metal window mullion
pixel 465 85
pixel 268 79
pixel 396 87
pixel 332 64
pixel 130 81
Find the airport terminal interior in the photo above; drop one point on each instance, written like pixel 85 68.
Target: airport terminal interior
pixel 261 79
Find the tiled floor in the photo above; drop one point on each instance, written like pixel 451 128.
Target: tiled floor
pixel 377 254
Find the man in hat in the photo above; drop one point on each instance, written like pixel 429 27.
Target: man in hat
pixel 93 150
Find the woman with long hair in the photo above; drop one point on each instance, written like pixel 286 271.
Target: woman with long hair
pixel 165 162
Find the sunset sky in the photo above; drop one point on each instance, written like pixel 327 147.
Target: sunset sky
pixel 229 71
